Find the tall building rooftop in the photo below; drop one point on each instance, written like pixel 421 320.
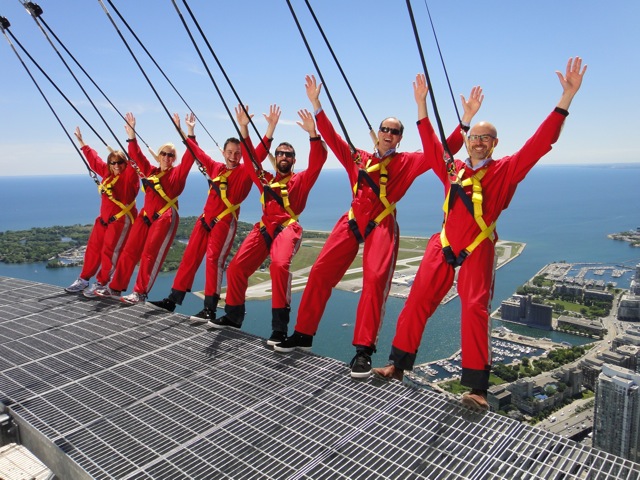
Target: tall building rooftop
pixel 102 390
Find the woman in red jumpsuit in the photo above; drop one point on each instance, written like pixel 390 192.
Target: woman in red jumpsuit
pixel 118 190
pixel 496 182
pixel 156 225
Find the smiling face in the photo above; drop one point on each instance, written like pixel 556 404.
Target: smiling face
pixel 166 156
pixel 285 158
pixel 117 162
pixel 482 139
pixel 389 134
pixel 232 153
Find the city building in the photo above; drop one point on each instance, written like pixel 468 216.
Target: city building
pixel 616 427
pixel 521 309
pixel 584 325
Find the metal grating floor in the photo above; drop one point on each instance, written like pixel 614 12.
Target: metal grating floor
pixel 130 392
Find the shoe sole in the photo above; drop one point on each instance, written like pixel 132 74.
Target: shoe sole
pixel 197 320
pixel 290 349
pixel 473 405
pixel 129 302
pixel 217 326
pixel 361 374
pixel 273 343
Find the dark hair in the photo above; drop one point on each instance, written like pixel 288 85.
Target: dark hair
pixel 230 140
pixel 287 144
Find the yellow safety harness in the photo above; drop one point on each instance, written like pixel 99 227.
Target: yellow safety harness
pixel 474 205
pixel 380 191
pixel 153 181
pixel 106 189
pixel 283 201
pixel 221 189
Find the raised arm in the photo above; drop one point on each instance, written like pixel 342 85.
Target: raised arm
pixel 571 81
pixel 313 91
pixel 470 107
pixel 272 120
pixel 243 118
pixel 420 91
pixel 307 123
pixel 78 135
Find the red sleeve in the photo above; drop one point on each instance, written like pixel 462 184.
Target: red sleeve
pixel 248 152
pixel 338 146
pixel 95 162
pixel 138 157
pixel 207 162
pixel 263 149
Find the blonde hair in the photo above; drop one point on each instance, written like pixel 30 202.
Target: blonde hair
pixel 163 146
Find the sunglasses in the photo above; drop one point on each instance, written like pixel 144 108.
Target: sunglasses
pixel 167 154
pixel 482 138
pixel 392 131
pixel 286 154
pixel 119 162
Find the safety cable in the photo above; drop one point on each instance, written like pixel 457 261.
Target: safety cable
pixel 256 164
pixel 4 26
pixel 444 67
pixel 315 64
pixel 448 158
pixel 36 11
pixel 372 133
pixel 201 167
pixel 175 89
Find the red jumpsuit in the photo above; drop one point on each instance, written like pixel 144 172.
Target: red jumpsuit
pixel 211 234
pixel 380 246
pixel 277 235
pixel 152 233
pixel 111 228
pixel 475 279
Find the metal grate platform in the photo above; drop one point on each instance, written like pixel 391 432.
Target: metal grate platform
pixel 104 390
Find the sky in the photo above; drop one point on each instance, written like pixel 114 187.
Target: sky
pixel 511 48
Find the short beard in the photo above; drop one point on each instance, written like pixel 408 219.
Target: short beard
pixel 287 170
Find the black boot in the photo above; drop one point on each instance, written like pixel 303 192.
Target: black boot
pixel 233 317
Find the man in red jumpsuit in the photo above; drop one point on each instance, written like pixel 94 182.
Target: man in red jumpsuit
pixel 380 180
pixel 118 189
pixel 469 242
pixel 215 229
pixel 278 234
pixel 156 225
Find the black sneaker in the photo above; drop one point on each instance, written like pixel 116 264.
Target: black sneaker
pixel 204 316
pixel 360 365
pixel 165 304
pixel 222 322
pixel 276 337
pixel 297 340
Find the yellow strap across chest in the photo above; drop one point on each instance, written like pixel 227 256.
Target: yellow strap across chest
pixel 170 202
pixel 486 231
pixel 106 188
pixel 223 184
pixel 384 179
pixel 284 195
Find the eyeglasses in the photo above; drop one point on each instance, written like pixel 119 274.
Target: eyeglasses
pixel 119 162
pixel 392 131
pixel 280 153
pixel 482 138
pixel 167 154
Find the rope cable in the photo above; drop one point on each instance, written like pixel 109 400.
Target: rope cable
pixel 4 26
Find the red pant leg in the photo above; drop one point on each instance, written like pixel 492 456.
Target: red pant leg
pixel 161 234
pixel 130 255
pixel 283 248
pixel 218 248
pixel 378 263
pixel 247 259
pixel 115 239
pixel 475 286
pixel 192 258
pixel 335 257
pixel 92 255
pixel 433 280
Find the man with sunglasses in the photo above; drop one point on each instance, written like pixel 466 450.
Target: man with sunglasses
pixel 380 179
pixel 215 230
pixel 118 191
pixel 278 234
pixel 156 225
pixel 479 191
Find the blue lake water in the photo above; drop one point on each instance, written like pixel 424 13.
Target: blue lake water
pixel 560 212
